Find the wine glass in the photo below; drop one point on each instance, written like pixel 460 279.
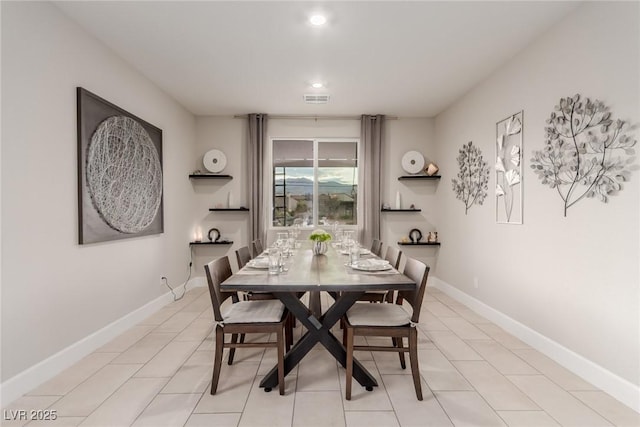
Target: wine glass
pixel 339 235
pixel 280 239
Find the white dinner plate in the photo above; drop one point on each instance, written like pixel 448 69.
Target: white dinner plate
pixel 372 265
pixel 261 264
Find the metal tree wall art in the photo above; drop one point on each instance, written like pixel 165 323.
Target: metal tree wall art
pixel 509 170
pixel 472 182
pixel 578 157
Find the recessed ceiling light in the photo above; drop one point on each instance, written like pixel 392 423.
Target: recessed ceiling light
pixel 318 20
pixel 317 85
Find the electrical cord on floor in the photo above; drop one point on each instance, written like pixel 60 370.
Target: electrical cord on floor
pixel 184 291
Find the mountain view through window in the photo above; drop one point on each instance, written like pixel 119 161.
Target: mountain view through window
pixel 315 182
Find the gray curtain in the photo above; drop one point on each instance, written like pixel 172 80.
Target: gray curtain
pixel 371 143
pixel 257 144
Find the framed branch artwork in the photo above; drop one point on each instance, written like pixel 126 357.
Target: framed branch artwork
pixel 119 172
pixel 509 170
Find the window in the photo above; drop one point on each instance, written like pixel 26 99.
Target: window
pixel 314 181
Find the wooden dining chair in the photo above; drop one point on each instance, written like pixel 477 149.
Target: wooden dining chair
pixel 243 256
pixel 257 247
pixel 393 255
pixel 389 320
pixel 376 247
pixel 243 317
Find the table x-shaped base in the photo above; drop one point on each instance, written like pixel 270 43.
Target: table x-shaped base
pixel 318 331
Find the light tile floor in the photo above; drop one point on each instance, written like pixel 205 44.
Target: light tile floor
pixel 158 373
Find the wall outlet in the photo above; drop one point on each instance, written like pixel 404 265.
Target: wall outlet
pixel 475 282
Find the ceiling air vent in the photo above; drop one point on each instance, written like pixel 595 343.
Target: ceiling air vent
pixel 316 99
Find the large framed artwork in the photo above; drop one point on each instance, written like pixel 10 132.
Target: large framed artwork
pixel 509 170
pixel 119 172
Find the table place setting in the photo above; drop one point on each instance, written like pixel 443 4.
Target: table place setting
pixel 363 252
pixel 371 266
pixel 261 263
pixel 255 267
pixel 272 261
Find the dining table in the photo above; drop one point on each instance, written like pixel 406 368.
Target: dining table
pixel 306 272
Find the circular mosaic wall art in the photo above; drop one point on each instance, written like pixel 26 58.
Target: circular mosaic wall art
pixel 124 174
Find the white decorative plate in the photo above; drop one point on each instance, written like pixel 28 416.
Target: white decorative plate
pixel 413 162
pixel 214 161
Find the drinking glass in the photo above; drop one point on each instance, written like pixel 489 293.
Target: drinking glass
pixel 274 261
pixel 354 253
pixel 347 239
pixel 285 247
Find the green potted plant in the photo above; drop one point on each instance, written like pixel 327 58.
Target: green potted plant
pixel 319 237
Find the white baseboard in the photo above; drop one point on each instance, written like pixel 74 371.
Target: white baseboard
pixel 623 390
pixel 32 377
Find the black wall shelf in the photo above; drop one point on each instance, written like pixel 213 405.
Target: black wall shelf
pixel 208 176
pixel 412 177
pixel 229 242
pixel 419 243
pixel 229 209
pixel 400 210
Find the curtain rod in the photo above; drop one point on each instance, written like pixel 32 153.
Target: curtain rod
pixel 303 117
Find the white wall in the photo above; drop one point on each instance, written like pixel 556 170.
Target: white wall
pixel 402 135
pixel 230 136
pixel 56 292
pixel 575 279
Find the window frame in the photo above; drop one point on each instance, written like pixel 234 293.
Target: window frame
pixel 269 180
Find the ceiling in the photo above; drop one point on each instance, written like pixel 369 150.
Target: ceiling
pixel 410 59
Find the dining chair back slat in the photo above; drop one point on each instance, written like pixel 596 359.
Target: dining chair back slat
pixel 243 256
pixel 257 247
pixel 393 255
pixel 217 271
pixel 418 272
pixel 376 247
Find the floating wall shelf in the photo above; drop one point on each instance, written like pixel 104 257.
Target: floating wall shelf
pixel 229 209
pixel 209 176
pixel 419 243
pixel 228 242
pixel 409 177
pixel 400 210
